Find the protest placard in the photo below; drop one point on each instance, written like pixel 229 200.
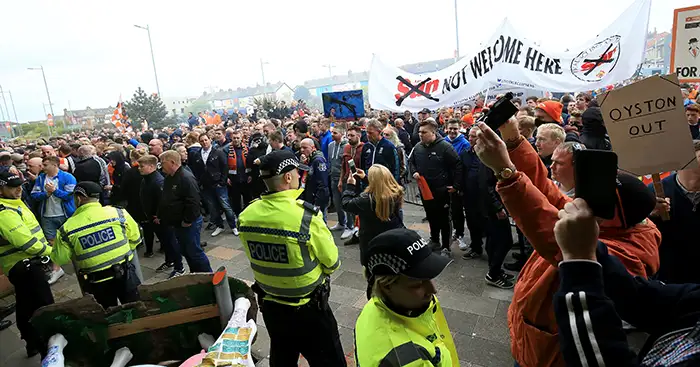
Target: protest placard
pixel 647 126
pixel 685 47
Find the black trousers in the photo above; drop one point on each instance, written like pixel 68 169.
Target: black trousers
pixel 476 223
pixel 304 329
pixel 438 213
pixel 32 291
pixel 499 240
pixel 458 214
pixel 124 289
pixel 238 195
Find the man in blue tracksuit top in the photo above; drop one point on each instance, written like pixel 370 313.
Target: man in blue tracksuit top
pixel 379 150
pixel 460 144
pixel 324 136
pixel 316 186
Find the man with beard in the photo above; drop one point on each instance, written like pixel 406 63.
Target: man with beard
pixel 435 160
pixel 34 167
pixel 379 150
pixel 351 152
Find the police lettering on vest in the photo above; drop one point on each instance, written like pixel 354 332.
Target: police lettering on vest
pixel 416 246
pixel 96 238
pixel 269 252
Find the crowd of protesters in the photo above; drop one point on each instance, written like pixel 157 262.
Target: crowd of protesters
pixel 175 179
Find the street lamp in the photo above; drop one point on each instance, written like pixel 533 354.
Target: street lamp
pixel 153 59
pixel 456 33
pixel 262 70
pixel 48 95
pixel 330 69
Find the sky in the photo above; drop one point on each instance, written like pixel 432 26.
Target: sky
pixel 92 54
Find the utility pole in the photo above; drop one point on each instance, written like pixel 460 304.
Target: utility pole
pixel 9 92
pixel 45 114
pixel 262 70
pixel 456 33
pixel 4 101
pixel 153 58
pixel 48 95
pixel 330 69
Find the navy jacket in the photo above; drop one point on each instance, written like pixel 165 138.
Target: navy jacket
pixel 213 172
pixel 316 189
pixel 592 298
pixel 679 249
pixel 384 153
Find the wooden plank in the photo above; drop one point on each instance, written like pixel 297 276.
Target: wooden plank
pixel 162 321
pixel 659 189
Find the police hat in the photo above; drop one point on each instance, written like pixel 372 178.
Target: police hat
pixel 403 251
pixel 279 162
pixel 10 179
pixel 88 189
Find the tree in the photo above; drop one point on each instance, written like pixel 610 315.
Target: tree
pixel 302 93
pixel 144 107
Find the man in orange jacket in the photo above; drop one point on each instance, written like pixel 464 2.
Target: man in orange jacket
pixel 534 202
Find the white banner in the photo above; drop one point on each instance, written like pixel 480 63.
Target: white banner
pixel 685 49
pixel 613 56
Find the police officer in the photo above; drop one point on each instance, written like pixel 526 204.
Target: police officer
pixel 403 323
pixel 24 252
pixel 316 186
pixel 101 242
pixel 292 254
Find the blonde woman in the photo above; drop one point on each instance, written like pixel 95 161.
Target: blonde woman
pixel 392 135
pixel 403 323
pixel 377 207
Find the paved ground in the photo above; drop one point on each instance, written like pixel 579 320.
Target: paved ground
pixel 475 312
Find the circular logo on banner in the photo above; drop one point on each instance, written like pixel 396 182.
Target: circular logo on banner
pixel 597 61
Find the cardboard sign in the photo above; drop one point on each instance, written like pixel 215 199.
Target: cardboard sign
pixel 685 47
pixel 647 126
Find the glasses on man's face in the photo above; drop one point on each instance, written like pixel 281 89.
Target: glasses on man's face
pixel 387 135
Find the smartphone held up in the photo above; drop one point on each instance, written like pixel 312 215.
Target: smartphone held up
pixel 595 176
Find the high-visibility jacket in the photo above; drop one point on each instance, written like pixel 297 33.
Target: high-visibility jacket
pixel 96 237
pixel 21 236
pixel 385 338
pixel 289 246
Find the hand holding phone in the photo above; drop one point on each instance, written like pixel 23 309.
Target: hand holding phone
pixel 595 176
pixel 351 164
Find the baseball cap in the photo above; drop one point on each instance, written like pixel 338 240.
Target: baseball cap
pixel 88 189
pixel 553 109
pixel 425 110
pixel 403 251
pixel 279 162
pixel 10 179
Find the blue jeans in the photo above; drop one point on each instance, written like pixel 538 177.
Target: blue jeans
pixel 343 219
pixel 51 224
pixel 218 202
pixel 188 246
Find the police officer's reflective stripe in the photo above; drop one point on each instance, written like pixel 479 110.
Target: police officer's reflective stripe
pixel 99 223
pixel 336 265
pixel 309 264
pixel 122 220
pixel 107 263
pixel 9 252
pixel 24 247
pixel 291 292
pixel 35 229
pixel 274 232
pixel 101 251
pixel 408 353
